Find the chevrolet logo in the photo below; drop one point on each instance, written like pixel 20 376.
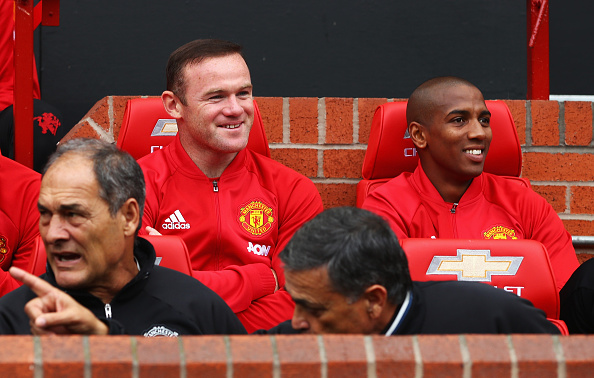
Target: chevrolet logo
pixel 165 127
pixel 475 265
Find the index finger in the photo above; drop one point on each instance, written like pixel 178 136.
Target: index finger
pixel 39 286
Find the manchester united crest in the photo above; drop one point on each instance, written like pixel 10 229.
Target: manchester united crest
pixel 3 248
pixel 500 232
pixel 256 218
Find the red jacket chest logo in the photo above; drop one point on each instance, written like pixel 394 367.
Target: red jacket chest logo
pixel 256 218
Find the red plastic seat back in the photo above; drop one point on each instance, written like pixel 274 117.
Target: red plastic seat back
pixel 171 251
pixel 390 151
pixel 518 266
pixel 147 127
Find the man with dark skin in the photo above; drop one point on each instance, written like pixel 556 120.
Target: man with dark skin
pixel 449 196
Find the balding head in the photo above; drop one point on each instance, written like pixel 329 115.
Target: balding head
pixel 422 101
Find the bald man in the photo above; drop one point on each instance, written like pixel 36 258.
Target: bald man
pixel 449 196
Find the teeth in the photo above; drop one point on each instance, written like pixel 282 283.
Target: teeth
pixel 231 126
pixel 474 152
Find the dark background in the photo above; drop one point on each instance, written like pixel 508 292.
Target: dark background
pixel 311 48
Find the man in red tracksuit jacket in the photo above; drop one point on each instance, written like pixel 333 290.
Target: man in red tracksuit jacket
pixel 449 195
pixel 234 208
pixel 19 219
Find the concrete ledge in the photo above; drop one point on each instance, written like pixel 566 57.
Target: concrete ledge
pixel 297 355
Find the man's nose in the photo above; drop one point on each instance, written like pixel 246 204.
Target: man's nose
pixel 299 321
pixel 55 230
pixel 233 108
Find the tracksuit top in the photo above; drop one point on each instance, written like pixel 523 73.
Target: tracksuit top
pixel 235 226
pixel 19 219
pixel 493 207
pixel 157 302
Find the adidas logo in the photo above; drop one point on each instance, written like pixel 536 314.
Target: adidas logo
pixel 175 221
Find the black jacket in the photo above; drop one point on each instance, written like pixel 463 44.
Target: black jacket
pixel 452 307
pixel 157 302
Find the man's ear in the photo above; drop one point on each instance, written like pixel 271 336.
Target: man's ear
pixel 418 134
pixel 172 104
pixel 376 297
pixel 130 213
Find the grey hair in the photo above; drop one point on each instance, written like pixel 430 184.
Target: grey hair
pixel 357 247
pixel 118 174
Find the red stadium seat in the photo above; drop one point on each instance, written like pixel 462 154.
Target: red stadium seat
pixel 147 127
pixel 390 151
pixel 519 266
pixel 171 253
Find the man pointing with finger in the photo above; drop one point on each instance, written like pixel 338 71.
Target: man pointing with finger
pixel 101 278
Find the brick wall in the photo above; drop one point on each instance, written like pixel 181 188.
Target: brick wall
pixel 298 356
pixel 325 139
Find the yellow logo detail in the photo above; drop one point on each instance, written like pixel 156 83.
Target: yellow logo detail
pixel 256 218
pixel 500 232
pixel 3 248
pixel 475 265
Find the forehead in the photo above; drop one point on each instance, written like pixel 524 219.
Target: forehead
pixel 221 69
pixel 71 176
pixel 312 285
pixel 457 97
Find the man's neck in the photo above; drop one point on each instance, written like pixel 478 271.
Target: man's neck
pixel 211 164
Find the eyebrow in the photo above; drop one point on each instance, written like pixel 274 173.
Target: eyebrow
pixel 63 208
pixel 220 90
pixel 466 112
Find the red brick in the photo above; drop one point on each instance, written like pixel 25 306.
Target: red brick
pixel 578 351
pixel 334 195
pixel 158 356
pixel 299 355
pixel 489 355
pixel 304 161
pixel 63 356
pixel 394 356
pixel 343 163
pixel 271 109
pixel 345 355
pixel 555 195
pixel 367 108
pixel 441 355
pixel 579 227
pixel 536 356
pixel 540 166
pixel 252 356
pixel 80 130
pixel 111 356
pixel 17 357
pixel 582 200
pixel 206 356
pixel 518 111
pixel 303 113
pixel 545 122
pixel 578 123
pixel 583 257
pixel 339 120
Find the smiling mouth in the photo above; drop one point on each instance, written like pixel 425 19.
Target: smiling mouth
pixel 473 152
pixel 231 126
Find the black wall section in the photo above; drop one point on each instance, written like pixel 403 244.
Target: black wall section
pixel 342 48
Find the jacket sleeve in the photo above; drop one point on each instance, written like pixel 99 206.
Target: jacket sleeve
pixel 27 223
pixel 548 229
pixel 267 312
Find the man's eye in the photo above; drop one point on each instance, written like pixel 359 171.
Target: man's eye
pixel 485 121
pixel 216 97
pixel 458 120
pixel 244 94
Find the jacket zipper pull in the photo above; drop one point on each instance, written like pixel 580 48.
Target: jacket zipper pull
pixel 108 311
pixel 215 186
pixel 453 209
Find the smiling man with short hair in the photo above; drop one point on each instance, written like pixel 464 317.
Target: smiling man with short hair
pixel 449 196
